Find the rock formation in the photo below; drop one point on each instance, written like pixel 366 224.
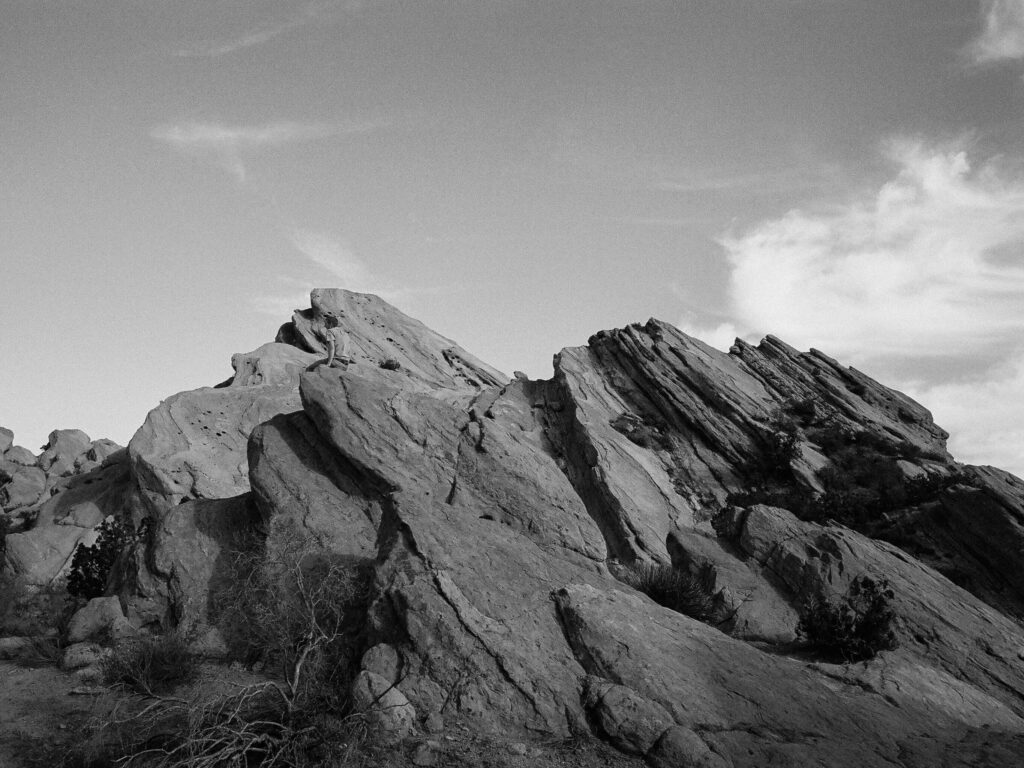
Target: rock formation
pixel 499 517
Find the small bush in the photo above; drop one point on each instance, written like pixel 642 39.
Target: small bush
pixel 673 588
pixel 856 627
pixel 150 666
pixel 91 564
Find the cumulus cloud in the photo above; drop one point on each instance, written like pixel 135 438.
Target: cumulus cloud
pixel 985 419
pixel 1002 34
pixel 926 273
pixel 932 264
pixel 229 145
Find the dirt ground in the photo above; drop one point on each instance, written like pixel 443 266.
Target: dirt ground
pixel 40 715
pixel 45 711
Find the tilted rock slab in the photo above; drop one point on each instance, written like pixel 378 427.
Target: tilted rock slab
pixel 491 510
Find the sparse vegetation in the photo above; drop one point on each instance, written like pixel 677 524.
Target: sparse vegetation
pixel 30 611
pixel 862 484
pixel 297 607
pixel 855 628
pixel 782 446
pixel 150 665
pixel 673 588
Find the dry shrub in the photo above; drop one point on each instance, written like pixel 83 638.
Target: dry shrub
pixel 150 665
pixel 28 611
pixel 673 588
pixel 297 606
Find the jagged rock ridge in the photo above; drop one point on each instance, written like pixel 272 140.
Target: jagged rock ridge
pixel 496 514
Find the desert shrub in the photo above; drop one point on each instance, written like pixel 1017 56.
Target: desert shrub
pixel 29 611
pixel 150 665
pixel 297 607
pixel 301 610
pixel 90 565
pixel 673 588
pixel 863 482
pixel 854 628
pixel 783 445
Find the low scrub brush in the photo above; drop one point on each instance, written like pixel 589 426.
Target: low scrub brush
pixel 673 588
pixel 151 665
pixel 855 628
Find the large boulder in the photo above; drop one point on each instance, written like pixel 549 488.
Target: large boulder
pixel 18 454
pixel 190 560
pixel 193 445
pixel 273 364
pixel 24 486
pixel 100 620
pixel 61 450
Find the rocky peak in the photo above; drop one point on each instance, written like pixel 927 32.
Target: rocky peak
pixel 378 333
pixel 502 520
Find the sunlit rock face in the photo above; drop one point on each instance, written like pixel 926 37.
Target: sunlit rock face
pixel 498 517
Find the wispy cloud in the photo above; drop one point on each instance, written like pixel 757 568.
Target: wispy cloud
pixel 1002 34
pixel 229 145
pixel 929 267
pixel 333 264
pixel 310 13
pixel 798 176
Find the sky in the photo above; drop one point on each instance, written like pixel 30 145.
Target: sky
pixel 846 175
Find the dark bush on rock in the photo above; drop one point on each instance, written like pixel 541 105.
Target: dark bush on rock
pixel 90 565
pixel 673 588
pixel 855 628
pixel 863 482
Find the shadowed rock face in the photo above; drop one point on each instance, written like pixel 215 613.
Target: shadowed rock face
pixel 495 514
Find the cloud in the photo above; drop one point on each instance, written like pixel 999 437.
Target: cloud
pixel 262 34
pixel 932 264
pixel 926 273
pixel 335 265
pixel 334 258
pixel 228 145
pixel 985 419
pixel 1002 35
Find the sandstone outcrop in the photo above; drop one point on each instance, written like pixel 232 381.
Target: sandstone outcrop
pixel 499 517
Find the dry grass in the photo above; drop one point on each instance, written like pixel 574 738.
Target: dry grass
pixel 150 665
pixel 673 588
